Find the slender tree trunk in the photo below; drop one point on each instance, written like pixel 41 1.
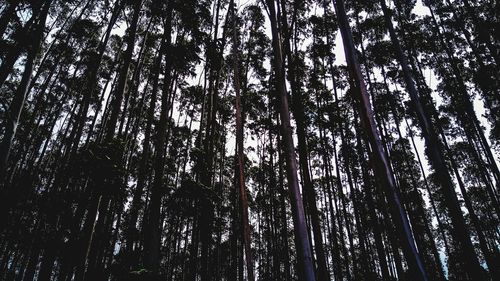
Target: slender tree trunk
pixel 240 150
pixel 337 272
pixel 382 168
pixel 87 236
pixel 284 218
pixel 308 188
pixel 146 147
pixel 116 102
pixel 461 232
pixel 384 268
pixel 305 262
pixel 152 230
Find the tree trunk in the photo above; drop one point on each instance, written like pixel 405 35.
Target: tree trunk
pixel 116 102
pixel 436 157
pixel 308 188
pixel 152 230
pixel 240 150
pixel 382 167
pixel 144 161
pixel 305 262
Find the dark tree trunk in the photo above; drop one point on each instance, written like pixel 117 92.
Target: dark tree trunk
pixel 309 192
pixel 142 174
pixel 116 102
pixel 240 152
pixel 92 80
pixel 305 264
pixel 152 230
pixel 436 157
pixel 382 167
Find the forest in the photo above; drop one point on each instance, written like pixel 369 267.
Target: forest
pixel 280 140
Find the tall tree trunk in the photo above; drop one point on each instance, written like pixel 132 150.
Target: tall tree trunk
pixel 436 157
pixel 144 161
pixel 152 230
pixel 116 102
pixel 285 254
pixel 382 168
pixel 305 262
pixel 337 269
pixel 240 149
pixel 308 188
pixel 92 80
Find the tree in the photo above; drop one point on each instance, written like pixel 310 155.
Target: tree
pixel 306 268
